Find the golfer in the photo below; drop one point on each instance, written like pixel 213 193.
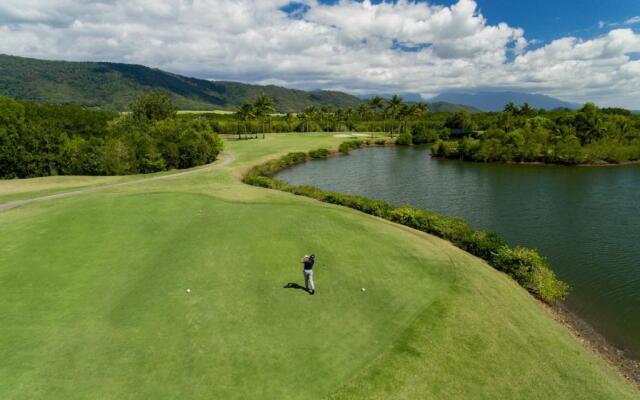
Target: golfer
pixel 307 270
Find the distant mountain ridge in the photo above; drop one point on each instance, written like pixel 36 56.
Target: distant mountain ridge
pixel 434 106
pixel 113 86
pixel 495 101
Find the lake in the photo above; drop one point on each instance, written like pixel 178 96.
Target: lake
pixel 585 220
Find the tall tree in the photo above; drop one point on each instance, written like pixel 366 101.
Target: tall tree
pixel 363 111
pixel 263 106
pixel 153 106
pixel 310 114
pixel 289 117
pixel 511 108
pixel 393 106
pixel 376 104
pixel 588 123
pixel 526 110
pixel 326 112
pixel 245 113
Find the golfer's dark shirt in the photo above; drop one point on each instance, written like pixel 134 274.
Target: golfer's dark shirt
pixel 308 264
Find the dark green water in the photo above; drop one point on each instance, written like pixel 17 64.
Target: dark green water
pixel 585 220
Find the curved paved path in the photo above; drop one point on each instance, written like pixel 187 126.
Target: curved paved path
pixel 226 160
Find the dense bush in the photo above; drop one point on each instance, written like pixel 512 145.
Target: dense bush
pixel 319 153
pixel 346 147
pixel 405 139
pixel 153 106
pixel 41 140
pixel 526 266
pixel 531 270
pixel 423 135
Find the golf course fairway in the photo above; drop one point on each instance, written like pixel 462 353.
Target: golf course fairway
pixel 93 301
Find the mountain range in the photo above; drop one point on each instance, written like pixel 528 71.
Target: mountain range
pixel 496 100
pixel 113 86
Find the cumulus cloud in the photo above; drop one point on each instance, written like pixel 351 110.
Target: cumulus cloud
pixel 355 46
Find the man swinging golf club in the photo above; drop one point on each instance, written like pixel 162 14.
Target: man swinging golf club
pixel 307 270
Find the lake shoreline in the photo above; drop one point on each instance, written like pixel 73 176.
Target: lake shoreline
pixel 585 333
pixel 585 165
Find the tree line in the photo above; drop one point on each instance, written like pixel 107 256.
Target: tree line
pixel 253 118
pixel 524 134
pixel 45 139
pixel 517 134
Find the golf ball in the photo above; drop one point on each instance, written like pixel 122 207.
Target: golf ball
pixel 188 290
pixel 364 290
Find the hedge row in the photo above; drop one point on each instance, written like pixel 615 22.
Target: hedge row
pixel 526 266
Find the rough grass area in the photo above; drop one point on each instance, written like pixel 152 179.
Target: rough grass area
pixel 94 304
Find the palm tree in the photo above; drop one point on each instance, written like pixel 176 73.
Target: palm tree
pixel 263 108
pixel 363 111
pixel 340 116
pixel 393 105
pixel 245 113
pixel 376 104
pixel 404 113
pixel 526 109
pixel 589 124
pixel 289 117
pixel 309 114
pixel 418 110
pixel 325 112
pixel 511 108
pixel 348 118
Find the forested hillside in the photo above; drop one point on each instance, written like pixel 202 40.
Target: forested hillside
pixel 113 86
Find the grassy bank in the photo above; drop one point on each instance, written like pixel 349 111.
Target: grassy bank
pixel 94 302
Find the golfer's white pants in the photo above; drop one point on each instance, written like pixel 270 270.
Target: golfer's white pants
pixel 308 279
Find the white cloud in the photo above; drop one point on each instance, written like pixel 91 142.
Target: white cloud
pixel 348 46
pixel 633 20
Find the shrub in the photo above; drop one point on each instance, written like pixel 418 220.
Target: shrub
pixel 405 139
pixel 319 153
pixel 381 142
pixel 483 244
pixel 272 167
pixel 346 147
pixel 532 271
pixel 448 149
pixel 424 135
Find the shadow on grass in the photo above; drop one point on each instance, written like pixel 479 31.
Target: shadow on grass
pixel 292 285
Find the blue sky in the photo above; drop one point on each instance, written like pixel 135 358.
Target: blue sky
pixel 546 20
pixel 586 50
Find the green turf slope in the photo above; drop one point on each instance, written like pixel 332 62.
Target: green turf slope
pixel 93 302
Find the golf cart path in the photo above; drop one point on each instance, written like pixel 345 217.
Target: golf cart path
pixel 226 160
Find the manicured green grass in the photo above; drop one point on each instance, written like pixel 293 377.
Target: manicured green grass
pixel 17 189
pixel 94 305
